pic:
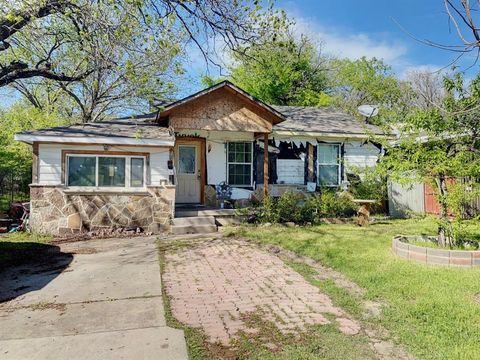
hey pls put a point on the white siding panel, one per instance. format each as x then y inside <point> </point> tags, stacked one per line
<point>290,171</point>
<point>216,162</point>
<point>50,161</point>
<point>403,199</point>
<point>358,155</point>
<point>159,166</point>
<point>49,164</point>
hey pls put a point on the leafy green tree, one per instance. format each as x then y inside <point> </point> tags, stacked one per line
<point>284,71</point>
<point>441,145</point>
<point>365,81</point>
<point>16,157</point>
<point>32,32</point>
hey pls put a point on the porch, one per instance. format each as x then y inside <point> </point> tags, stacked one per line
<point>195,218</point>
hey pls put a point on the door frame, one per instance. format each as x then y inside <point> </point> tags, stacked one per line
<point>189,140</point>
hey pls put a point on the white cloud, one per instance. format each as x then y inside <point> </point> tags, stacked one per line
<point>346,44</point>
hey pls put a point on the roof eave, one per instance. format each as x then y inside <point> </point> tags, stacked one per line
<point>324,134</point>
<point>30,139</point>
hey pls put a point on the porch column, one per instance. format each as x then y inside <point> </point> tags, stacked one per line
<point>35,163</point>
<point>265,165</point>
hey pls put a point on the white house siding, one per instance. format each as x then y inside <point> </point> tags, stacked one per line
<point>290,171</point>
<point>50,161</point>
<point>360,155</point>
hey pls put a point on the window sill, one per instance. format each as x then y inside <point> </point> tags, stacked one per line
<point>110,191</point>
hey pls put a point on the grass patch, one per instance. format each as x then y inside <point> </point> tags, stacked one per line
<point>340,297</point>
<point>432,310</point>
<point>21,247</point>
<point>317,342</point>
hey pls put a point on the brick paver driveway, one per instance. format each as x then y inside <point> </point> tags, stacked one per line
<point>212,283</point>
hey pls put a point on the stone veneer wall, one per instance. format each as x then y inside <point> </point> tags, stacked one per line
<point>57,212</point>
<point>433,256</point>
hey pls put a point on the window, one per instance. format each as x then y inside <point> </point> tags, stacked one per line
<point>81,171</point>
<point>186,159</point>
<point>239,163</point>
<point>105,171</point>
<point>111,171</point>
<point>137,172</point>
<point>328,160</point>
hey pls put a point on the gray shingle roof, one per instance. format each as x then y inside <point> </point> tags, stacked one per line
<point>322,120</point>
<point>120,128</point>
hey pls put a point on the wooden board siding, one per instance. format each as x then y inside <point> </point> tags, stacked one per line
<point>50,161</point>
<point>223,111</point>
<point>290,171</point>
<point>311,164</point>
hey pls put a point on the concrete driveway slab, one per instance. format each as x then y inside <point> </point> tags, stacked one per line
<point>149,343</point>
<point>105,303</point>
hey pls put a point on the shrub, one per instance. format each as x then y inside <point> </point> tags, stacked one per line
<point>302,208</point>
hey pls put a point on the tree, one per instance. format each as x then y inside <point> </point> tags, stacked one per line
<point>128,71</point>
<point>16,157</point>
<point>283,71</point>
<point>441,143</point>
<point>33,32</point>
<point>364,81</point>
<point>427,88</point>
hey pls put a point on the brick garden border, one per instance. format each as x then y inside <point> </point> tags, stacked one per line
<point>454,258</point>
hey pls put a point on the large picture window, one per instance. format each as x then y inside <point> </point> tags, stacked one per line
<point>105,171</point>
<point>328,160</point>
<point>239,163</point>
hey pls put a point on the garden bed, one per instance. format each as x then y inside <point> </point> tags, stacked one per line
<point>402,246</point>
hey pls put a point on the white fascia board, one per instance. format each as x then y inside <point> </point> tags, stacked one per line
<point>30,139</point>
<point>284,133</point>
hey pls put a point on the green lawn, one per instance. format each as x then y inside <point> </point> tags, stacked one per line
<point>433,311</point>
<point>18,248</point>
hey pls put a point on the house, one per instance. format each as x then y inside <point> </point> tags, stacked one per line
<point>135,171</point>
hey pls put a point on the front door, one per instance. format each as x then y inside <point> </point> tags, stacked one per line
<point>187,163</point>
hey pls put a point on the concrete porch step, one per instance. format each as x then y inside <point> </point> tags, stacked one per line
<point>193,229</point>
<point>194,225</point>
<point>194,220</point>
<point>181,213</point>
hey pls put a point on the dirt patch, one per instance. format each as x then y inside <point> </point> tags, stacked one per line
<point>44,305</point>
<point>84,251</point>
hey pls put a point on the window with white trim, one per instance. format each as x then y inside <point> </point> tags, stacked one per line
<point>239,163</point>
<point>329,166</point>
<point>105,171</point>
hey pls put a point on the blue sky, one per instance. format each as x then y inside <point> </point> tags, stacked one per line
<point>355,28</point>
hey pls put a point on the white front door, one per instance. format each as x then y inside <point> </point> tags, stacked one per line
<point>187,160</point>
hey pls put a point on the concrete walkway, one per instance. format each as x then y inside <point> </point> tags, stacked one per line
<point>104,303</point>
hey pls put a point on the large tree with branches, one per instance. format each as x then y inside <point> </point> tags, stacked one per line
<point>99,51</point>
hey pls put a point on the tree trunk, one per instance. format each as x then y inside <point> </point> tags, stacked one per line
<point>444,235</point>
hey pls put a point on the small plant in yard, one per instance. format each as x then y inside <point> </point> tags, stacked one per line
<point>302,208</point>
